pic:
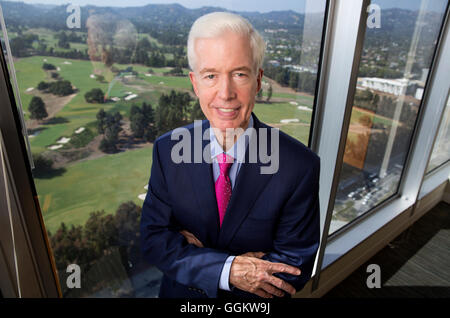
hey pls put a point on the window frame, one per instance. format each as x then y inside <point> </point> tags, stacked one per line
<point>332,141</point>
<point>441,173</point>
<point>34,251</point>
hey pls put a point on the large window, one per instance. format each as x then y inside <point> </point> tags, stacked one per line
<point>398,48</point>
<point>441,150</point>
<point>95,95</point>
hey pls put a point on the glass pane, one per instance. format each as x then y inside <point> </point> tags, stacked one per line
<point>441,150</point>
<point>399,44</point>
<point>95,96</point>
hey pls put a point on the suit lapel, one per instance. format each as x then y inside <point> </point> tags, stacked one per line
<point>249,184</point>
<point>202,179</point>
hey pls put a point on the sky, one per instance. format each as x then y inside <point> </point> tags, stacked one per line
<point>246,5</point>
<point>236,5</point>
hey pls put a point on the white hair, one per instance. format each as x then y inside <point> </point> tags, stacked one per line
<point>215,24</point>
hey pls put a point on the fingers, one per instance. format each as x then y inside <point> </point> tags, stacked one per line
<point>272,290</point>
<point>191,239</point>
<point>283,268</point>
<point>262,293</point>
<point>281,285</point>
<point>256,276</point>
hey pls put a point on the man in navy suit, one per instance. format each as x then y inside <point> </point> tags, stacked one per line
<point>240,217</point>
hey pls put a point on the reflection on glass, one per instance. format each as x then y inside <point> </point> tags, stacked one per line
<point>395,61</point>
<point>441,150</point>
<point>96,97</point>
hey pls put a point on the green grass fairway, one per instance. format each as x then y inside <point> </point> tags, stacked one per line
<point>275,112</point>
<point>77,112</point>
<point>169,81</point>
<point>300,99</point>
<point>106,182</point>
<point>299,132</point>
<point>101,184</point>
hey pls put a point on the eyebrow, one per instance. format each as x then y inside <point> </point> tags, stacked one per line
<point>212,70</point>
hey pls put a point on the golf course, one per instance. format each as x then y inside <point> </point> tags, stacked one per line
<point>103,181</point>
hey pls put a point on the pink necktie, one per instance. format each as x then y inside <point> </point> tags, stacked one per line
<point>223,184</point>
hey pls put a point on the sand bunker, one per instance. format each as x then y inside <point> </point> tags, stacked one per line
<point>116,99</point>
<point>67,62</point>
<point>293,103</point>
<point>146,187</point>
<point>304,108</point>
<point>287,121</point>
<point>63,140</point>
<point>29,89</point>
<point>55,147</point>
<point>92,76</point>
<point>79,130</point>
<point>130,96</point>
<point>142,196</point>
<point>148,74</point>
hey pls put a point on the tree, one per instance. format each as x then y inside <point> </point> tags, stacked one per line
<point>269,93</point>
<point>259,95</point>
<point>95,95</point>
<point>196,112</point>
<point>48,66</point>
<point>176,71</point>
<point>172,111</point>
<point>100,231</point>
<point>107,146</point>
<point>109,125</point>
<point>42,165</point>
<point>101,118</point>
<point>63,41</point>
<point>37,108</point>
<point>138,125</point>
<point>61,88</point>
<point>126,222</point>
<point>69,247</point>
<point>376,99</point>
<point>142,122</point>
<point>43,86</point>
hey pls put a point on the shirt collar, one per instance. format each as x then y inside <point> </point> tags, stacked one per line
<point>239,147</point>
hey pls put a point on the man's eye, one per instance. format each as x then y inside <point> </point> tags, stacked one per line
<point>241,75</point>
<point>210,76</point>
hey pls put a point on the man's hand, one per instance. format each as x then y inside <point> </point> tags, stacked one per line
<point>251,274</point>
<point>191,238</point>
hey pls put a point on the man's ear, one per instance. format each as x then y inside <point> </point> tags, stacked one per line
<point>194,82</point>
<point>259,77</point>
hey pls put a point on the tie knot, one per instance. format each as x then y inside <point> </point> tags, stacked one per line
<point>225,163</point>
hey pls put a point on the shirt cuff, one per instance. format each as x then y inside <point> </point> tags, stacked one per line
<point>225,275</point>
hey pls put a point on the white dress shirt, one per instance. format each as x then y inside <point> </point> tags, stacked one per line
<point>238,153</point>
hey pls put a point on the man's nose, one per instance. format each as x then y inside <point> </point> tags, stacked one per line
<point>226,88</point>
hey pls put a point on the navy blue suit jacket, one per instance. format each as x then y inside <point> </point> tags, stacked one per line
<point>273,213</point>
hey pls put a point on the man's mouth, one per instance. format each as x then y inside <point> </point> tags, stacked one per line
<point>228,112</point>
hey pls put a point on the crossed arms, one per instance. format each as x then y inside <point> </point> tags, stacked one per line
<point>181,256</point>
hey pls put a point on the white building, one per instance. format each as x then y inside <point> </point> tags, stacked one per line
<point>392,86</point>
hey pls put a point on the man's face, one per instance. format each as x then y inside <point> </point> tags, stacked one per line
<point>224,80</point>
